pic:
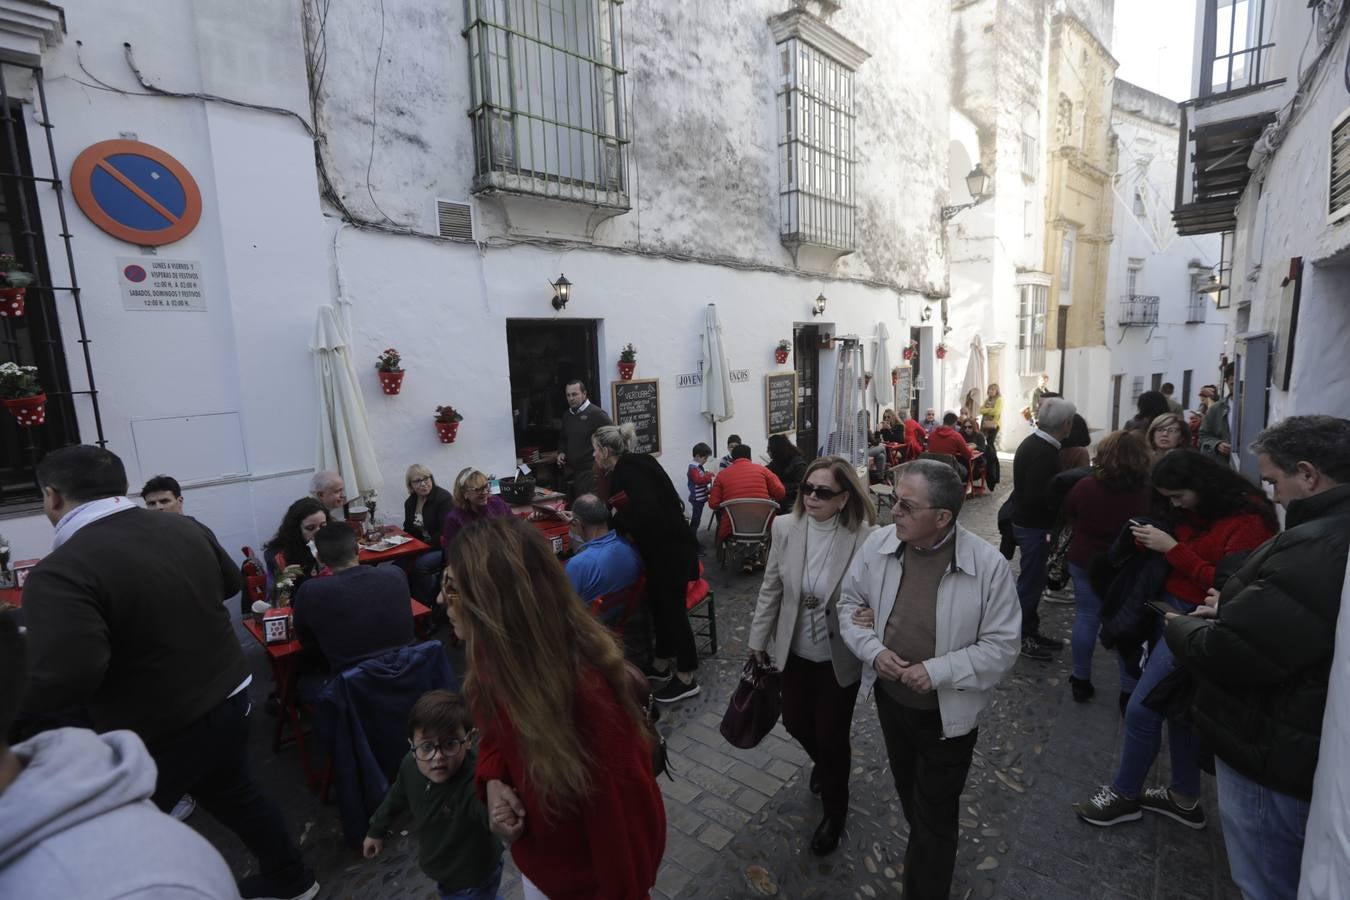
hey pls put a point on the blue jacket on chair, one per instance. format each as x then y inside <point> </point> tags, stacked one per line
<point>363,719</point>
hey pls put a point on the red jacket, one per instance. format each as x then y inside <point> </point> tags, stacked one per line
<point>611,847</point>
<point>946,439</point>
<point>915,437</point>
<point>743,480</point>
<point>1194,557</point>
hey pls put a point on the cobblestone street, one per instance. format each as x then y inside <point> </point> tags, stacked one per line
<point>740,821</point>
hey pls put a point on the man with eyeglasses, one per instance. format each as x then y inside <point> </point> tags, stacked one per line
<point>575,454</point>
<point>935,680</point>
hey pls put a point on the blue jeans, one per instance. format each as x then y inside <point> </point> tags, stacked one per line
<point>1143,728</point>
<point>1034,546</point>
<point>427,575</point>
<point>485,891</point>
<point>1263,831</point>
<point>1086,626</point>
<point>696,515</point>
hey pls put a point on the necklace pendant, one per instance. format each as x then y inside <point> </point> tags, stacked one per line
<point>812,601</point>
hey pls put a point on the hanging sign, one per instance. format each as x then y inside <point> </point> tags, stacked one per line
<point>151,283</point>
<point>136,192</point>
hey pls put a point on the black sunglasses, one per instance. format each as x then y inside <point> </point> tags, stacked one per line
<point>822,493</point>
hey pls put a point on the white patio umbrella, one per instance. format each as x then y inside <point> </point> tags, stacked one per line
<point>717,405</point>
<point>343,443</point>
<point>881,370</point>
<point>974,379</point>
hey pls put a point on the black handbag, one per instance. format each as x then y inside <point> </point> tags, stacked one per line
<point>755,705</point>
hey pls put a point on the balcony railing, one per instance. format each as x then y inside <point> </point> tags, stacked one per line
<point>1138,310</point>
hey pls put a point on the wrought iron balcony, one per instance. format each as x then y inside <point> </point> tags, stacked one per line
<point>1138,310</point>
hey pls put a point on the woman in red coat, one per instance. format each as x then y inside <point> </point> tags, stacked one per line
<point>565,767</point>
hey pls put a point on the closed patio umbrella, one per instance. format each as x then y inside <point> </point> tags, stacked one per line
<point>343,443</point>
<point>717,405</point>
<point>881,370</point>
<point>974,380</point>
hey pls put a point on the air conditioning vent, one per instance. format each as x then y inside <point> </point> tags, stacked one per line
<point>454,220</point>
<point>1338,199</point>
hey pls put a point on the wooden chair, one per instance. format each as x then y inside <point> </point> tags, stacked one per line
<point>750,521</point>
<point>701,603</point>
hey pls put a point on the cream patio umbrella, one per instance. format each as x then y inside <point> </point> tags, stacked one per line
<point>343,443</point>
<point>717,405</point>
<point>974,380</point>
<point>882,388</point>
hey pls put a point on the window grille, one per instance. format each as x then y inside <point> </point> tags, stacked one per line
<point>1030,159</point>
<point>1137,310</point>
<point>1197,308</point>
<point>1338,193</point>
<point>1136,388</point>
<point>1066,264</point>
<point>815,147</point>
<point>548,98</point>
<point>1034,300</point>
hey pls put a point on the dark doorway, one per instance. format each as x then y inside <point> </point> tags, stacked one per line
<point>915,374</point>
<point>1116,382</point>
<point>1156,381</point>
<point>1186,378</point>
<point>806,357</point>
<point>543,355</point>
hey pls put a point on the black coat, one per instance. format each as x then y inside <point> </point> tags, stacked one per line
<point>1126,577</point>
<point>1262,667</point>
<point>1035,465</point>
<point>650,513</point>
<point>437,505</point>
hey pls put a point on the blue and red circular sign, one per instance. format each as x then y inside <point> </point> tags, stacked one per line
<point>136,192</point>
<point>134,274</point>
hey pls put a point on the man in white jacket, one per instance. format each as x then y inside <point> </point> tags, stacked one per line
<point>944,628</point>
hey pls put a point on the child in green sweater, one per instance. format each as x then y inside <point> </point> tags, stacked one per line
<point>436,784</point>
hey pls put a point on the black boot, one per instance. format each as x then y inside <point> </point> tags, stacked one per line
<point>1082,689</point>
<point>826,838</point>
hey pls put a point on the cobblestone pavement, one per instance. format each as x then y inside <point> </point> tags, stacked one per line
<point>732,813</point>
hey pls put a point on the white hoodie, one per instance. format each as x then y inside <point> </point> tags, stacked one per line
<point>78,822</point>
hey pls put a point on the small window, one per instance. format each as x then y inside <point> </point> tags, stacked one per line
<point>1132,280</point>
<point>1066,265</point>
<point>1030,157</point>
<point>1139,209</point>
<point>1136,388</point>
<point>1033,300</point>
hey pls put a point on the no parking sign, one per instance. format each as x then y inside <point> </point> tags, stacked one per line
<point>136,192</point>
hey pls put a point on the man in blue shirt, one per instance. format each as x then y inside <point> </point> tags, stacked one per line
<point>607,564</point>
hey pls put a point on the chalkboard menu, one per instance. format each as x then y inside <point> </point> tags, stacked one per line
<point>780,402</point>
<point>639,402</point>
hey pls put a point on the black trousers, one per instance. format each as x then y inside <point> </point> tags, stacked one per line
<point>209,759</point>
<point>666,587</point>
<point>819,713</point>
<point>930,773</point>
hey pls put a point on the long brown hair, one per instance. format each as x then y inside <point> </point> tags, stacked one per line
<point>1123,461</point>
<point>528,637</point>
<point>859,509</point>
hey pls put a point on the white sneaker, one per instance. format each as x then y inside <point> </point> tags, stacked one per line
<point>185,807</point>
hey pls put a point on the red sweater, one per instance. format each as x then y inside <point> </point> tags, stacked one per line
<point>1197,552</point>
<point>743,480</point>
<point>610,848</point>
<point>946,439</point>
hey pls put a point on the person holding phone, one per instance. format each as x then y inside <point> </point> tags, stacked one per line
<point>1217,513</point>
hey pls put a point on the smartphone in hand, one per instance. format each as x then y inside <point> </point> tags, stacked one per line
<point>1160,607</point>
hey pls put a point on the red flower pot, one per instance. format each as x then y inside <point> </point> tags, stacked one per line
<point>908,352</point>
<point>28,410</point>
<point>11,302</point>
<point>448,431</point>
<point>626,370</point>
<point>780,356</point>
<point>391,382</point>
<point>941,352</point>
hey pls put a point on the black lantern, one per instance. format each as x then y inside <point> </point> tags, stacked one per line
<point>562,292</point>
<point>818,308</point>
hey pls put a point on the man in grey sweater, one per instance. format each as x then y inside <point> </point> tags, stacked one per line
<point>575,453</point>
<point>75,813</point>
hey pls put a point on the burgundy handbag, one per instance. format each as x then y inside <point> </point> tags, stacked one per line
<point>754,707</point>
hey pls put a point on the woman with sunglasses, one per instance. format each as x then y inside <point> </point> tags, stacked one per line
<point>797,616</point>
<point>564,763</point>
<point>471,500</point>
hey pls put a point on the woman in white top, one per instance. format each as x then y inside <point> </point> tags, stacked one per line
<point>797,623</point>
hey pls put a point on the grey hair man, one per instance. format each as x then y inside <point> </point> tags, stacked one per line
<point>329,489</point>
<point>1035,465</point>
<point>1261,651</point>
<point>935,680</point>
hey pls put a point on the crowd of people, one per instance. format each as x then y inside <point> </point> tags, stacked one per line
<point>132,695</point>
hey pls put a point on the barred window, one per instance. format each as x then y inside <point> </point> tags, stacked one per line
<point>548,98</point>
<point>815,147</point>
<point>1034,300</point>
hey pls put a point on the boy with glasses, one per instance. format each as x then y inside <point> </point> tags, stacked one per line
<point>435,784</point>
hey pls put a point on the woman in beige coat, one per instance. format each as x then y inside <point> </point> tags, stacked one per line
<point>797,624</point>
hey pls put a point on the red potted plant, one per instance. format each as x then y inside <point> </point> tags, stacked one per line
<point>780,354</point>
<point>22,395</point>
<point>16,282</point>
<point>447,423</point>
<point>910,349</point>
<point>941,351</point>
<point>627,362</point>
<point>391,375</point>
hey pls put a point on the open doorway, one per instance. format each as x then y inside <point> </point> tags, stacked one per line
<point>806,357</point>
<point>543,355</point>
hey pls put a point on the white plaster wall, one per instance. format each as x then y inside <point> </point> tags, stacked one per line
<point>268,249</point>
<point>1283,215</point>
<point>1148,160</point>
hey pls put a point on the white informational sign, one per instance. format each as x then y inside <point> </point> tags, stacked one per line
<point>151,283</point>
